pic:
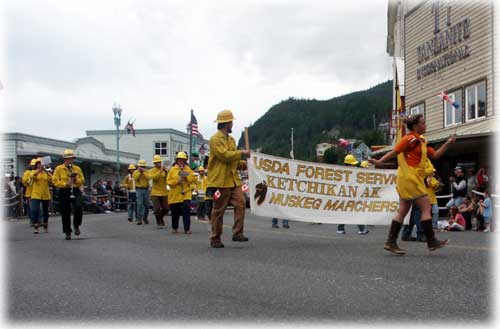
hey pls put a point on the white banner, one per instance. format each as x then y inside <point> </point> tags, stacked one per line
<point>321,193</point>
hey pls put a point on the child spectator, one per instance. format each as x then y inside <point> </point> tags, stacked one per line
<point>467,211</point>
<point>457,221</point>
<point>486,206</point>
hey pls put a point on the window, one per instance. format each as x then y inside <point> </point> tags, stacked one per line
<point>161,148</point>
<point>418,109</point>
<point>475,100</point>
<point>453,116</point>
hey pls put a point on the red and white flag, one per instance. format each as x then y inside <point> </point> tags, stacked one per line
<point>244,188</point>
<point>216,195</point>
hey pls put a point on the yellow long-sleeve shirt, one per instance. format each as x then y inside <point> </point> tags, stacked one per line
<point>27,181</point>
<point>224,162</point>
<point>159,180</point>
<point>141,179</point>
<point>41,189</point>
<point>183,190</point>
<point>62,175</point>
<point>129,183</point>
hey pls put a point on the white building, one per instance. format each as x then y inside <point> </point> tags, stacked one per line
<point>96,161</point>
<point>149,142</point>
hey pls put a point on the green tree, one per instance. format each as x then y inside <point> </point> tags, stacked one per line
<point>334,155</point>
<point>373,137</point>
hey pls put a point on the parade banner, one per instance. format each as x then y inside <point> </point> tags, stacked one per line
<point>321,193</point>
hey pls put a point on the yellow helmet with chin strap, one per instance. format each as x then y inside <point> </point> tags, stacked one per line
<point>350,160</point>
<point>142,163</point>
<point>364,164</point>
<point>132,167</point>
<point>156,158</point>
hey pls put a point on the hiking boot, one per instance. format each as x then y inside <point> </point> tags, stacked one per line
<point>393,247</point>
<point>408,238</point>
<point>363,232</point>
<point>391,244</point>
<point>240,238</point>
<point>436,244</point>
<point>432,242</point>
<point>286,226</point>
<point>67,237</point>
<point>275,226</point>
<point>35,229</point>
<point>216,244</point>
<point>139,222</point>
<point>340,231</point>
<point>146,221</point>
<point>77,230</point>
<point>129,219</point>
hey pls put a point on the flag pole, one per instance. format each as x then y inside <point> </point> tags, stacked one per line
<point>190,138</point>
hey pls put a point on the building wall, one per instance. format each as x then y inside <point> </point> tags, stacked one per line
<point>419,28</point>
<point>144,143</point>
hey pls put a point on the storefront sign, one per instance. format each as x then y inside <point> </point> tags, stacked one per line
<point>445,48</point>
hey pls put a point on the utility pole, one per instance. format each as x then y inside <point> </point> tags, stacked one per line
<point>117,112</point>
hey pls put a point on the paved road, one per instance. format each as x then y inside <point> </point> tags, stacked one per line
<point>120,271</point>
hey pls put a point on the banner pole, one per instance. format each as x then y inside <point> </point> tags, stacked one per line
<point>247,141</point>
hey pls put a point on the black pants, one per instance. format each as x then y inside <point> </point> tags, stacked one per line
<point>183,208</point>
<point>66,203</point>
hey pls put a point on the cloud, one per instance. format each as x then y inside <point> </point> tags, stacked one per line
<point>68,64</point>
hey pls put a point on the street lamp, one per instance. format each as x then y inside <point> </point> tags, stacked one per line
<point>117,112</point>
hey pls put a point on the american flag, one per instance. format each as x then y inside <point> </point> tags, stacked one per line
<point>447,98</point>
<point>193,125</point>
<point>130,128</point>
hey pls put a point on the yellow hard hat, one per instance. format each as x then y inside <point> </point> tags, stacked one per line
<point>224,116</point>
<point>350,159</point>
<point>142,163</point>
<point>201,168</point>
<point>156,159</point>
<point>33,162</point>
<point>68,154</point>
<point>132,167</point>
<point>181,155</point>
<point>364,164</point>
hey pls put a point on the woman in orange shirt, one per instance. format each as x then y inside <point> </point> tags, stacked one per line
<point>412,152</point>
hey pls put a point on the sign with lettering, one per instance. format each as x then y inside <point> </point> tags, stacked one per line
<point>321,193</point>
<point>446,47</point>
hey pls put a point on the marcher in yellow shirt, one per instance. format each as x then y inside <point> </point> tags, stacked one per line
<point>412,152</point>
<point>141,178</point>
<point>159,193</point>
<point>180,179</point>
<point>27,181</point>
<point>201,187</point>
<point>68,178</point>
<point>129,184</point>
<point>40,196</point>
<point>224,183</point>
<point>433,185</point>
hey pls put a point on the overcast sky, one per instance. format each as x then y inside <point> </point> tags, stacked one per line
<point>66,64</point>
